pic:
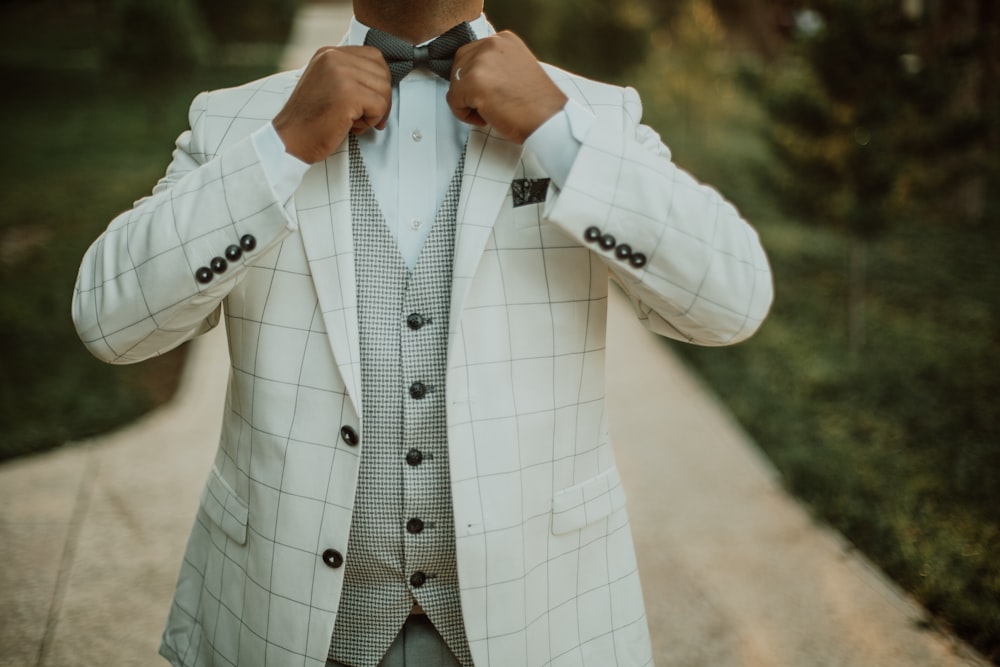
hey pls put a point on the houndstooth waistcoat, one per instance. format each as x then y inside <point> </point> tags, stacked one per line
<point>401,548</point>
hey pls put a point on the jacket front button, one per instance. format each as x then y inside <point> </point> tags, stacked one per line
<point>203,275</point>
<point>333,558</point>
<point>350,436</point>
<point>418,390</point>
<point>418,579</point>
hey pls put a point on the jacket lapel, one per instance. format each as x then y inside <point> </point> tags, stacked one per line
<point>490,164</point>
<point>323,206</point>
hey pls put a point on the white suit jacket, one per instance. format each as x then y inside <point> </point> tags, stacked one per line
<point>545,558</point>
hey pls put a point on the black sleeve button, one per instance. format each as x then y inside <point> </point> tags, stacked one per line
<point>248,242</point>
<point>219,265</point>
<point>608,242</point>
<point>638,260</point>
<point>591,234</point>
<point>333,558</point>
<point>418,579</point>
<point>234,252</point>
<point>350,436</point>
<point>623,252</point>
<point>203,275</point>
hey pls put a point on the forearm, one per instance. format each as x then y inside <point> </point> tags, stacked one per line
<point>154,278</point>
<point>694,269</point>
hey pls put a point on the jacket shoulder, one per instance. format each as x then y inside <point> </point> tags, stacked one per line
<point>588,92</point>
<point>222,116</point>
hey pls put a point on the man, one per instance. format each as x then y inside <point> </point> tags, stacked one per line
<point>412,256</point>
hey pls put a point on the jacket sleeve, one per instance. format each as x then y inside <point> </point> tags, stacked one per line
<point>695,270</point>
<point>138,292</point>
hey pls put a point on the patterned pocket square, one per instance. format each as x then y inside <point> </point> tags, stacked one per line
<point>529,190</point>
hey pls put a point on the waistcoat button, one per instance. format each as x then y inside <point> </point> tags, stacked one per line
<point>350,436</point>
<point>414,457</point>
<point>415,321</point>
<point>414,526</point>
<point>333,558</point>
<point>418,579</point>
<point>418,390</point>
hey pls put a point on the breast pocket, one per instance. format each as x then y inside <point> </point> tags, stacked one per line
<point>587,502</point>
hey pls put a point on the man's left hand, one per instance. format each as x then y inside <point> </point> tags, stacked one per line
<point>497,81</point>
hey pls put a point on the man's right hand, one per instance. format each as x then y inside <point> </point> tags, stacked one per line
<point>343,89</point>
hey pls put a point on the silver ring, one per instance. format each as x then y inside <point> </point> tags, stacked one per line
<point>458,74</point>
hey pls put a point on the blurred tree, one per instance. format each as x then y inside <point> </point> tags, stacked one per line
<point>876,118</point>
<point>592,37</point>
<point>154,42</point>
<point>243,21</point>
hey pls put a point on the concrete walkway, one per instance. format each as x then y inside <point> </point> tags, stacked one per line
<point>736,573</point>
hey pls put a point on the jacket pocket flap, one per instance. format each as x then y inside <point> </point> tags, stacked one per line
<point>225,507</point>
<point>583,504</point>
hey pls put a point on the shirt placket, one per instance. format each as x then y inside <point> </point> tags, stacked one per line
<point>417,178</point>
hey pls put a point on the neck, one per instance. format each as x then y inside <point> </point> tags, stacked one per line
<point>416,21</point>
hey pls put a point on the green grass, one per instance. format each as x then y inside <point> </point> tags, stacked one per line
<point>79,147</point>
<point>897,445</point>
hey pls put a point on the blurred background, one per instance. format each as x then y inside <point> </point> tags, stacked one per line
<point>859,136</point>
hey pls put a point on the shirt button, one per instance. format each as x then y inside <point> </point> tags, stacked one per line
<point>418,390</point>
<point>414,457</point>
<point>417,136</point>
<point>418,579</point>
<point>416,224</point>
<point>415,526</point>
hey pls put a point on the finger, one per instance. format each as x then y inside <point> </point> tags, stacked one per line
<point>373,109</point>
<point>320,51</point>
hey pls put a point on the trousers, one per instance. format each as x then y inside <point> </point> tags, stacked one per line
<point>418,644</point>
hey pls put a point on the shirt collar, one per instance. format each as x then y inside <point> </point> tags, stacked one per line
<point>358,31</point>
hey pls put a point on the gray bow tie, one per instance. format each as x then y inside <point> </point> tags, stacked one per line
<point>437,56</point>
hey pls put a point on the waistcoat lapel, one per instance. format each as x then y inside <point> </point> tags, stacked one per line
<point>323,205</point>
